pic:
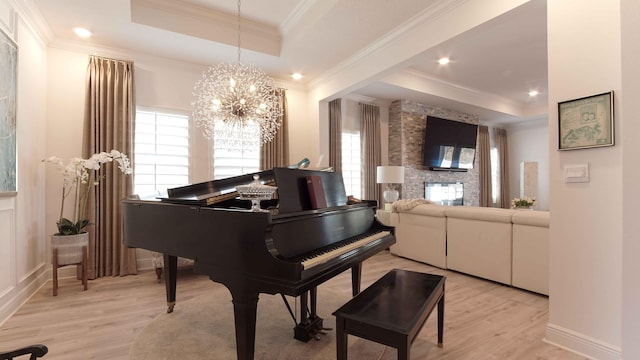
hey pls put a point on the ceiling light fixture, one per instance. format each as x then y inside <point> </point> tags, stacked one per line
<point>443,61</point>
<point>237,104</point>
<point>82,32</point>
<point>296,76</point>
<point>533,93</point>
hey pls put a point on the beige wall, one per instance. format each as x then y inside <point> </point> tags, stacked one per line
<point>630,18</point>
<point>22,236</point>
<point>529,141</point>
<point>586,230</point>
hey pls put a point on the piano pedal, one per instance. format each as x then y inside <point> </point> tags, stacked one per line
<point>308,330</point>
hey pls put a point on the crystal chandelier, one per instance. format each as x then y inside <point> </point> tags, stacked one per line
<point>237,103</point>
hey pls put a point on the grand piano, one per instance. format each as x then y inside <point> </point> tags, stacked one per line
<point>289,249</point>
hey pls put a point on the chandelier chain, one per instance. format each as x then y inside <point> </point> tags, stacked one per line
<point>239,30</point>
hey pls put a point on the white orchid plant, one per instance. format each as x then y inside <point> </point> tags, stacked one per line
<point>523,202</point>
<point>79,177</point>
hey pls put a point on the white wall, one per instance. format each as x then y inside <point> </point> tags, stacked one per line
<point>22,236</point>
<point>630,18</point>
<point>586,218</point>
<point>529,141</point>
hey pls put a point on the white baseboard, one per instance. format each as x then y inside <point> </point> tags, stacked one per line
<point>581,344</point>
<point>145,264</point>
<point>13,299</point>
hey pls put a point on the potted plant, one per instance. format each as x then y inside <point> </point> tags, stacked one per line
<point>70,243</point>
<point>523,203</point>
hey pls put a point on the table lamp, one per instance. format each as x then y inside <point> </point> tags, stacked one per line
<point>390,175</point>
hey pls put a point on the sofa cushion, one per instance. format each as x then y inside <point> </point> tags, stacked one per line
<point>480,213</point>
<point>428,210</point>
<point>421,234</point>
<point>531,217</point>
<point>480,247</point>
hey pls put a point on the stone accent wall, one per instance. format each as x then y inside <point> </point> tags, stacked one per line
<point>407,123</point>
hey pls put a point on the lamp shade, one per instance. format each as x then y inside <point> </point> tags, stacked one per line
<point>390,175</point>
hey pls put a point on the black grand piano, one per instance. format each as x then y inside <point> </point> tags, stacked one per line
<point>290,250</point>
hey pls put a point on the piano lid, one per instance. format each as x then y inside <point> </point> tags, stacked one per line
<point>214,191</point>
<point>293,195</point>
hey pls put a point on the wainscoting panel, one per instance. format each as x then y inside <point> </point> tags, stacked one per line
<point>7,247</point>
<point>7,18</point>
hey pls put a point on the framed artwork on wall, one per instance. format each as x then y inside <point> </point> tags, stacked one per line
<point>8,85</point>
<point>586,122</point>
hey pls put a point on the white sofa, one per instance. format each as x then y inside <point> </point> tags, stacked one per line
<point>530,266</point>
<point>503,245</point>
<point>479,242</point>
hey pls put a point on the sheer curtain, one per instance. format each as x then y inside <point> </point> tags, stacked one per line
<point>276,152</point>
<point>370,145</point>
<point>335,134</point>
<point>503,169</point>
<point>484,159</point>
<point>108,124</point>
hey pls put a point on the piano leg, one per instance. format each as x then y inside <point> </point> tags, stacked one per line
<point>314,302</point>
<point>356,272</point>
<point>244,310</point>
<point>171,274</point>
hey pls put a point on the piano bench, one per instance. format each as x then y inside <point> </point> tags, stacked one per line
<point>391,311</point>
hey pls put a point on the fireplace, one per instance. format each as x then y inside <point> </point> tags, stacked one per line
<point>444,192</point>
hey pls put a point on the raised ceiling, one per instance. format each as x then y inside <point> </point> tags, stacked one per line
<point>500,60</point>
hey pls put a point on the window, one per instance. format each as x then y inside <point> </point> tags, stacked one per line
<point>161,152</point>
<point>494,175</point>
<point>233,158</point>
<point>352,163</point>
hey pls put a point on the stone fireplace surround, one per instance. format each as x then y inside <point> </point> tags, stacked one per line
<point>407,123</point>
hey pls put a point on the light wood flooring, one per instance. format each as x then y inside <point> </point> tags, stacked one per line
<point>483,320</point>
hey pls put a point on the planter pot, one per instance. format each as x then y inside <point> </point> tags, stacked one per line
<point>523,207</point>
<point>69,250</point>
<point>70,247</point>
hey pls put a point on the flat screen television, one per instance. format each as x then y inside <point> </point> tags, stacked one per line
<point>449,145</point>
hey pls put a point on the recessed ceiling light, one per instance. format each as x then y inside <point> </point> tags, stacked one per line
<point>533,93</point>
<point>443,61</point>
<point>82,32</point>
<point>296,76</point>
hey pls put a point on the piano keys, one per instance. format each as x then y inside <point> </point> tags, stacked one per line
<point>289,250</point>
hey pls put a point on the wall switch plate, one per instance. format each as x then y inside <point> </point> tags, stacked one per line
<point>576,173</point>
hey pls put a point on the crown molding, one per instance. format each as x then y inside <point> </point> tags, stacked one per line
<point>33,20</point>
<point>427,15</point>
<point>296,15</point>
<point>205,23</point>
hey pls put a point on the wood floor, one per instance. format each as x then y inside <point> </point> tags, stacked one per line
<point>483,320</point>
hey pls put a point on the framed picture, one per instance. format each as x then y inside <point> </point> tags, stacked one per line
<point>586,122</point>
<point>8,84</point>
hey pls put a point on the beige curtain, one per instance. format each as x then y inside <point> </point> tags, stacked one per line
<point>484,160</point>
<point>502,200</point>
<point>335,134</point>
<point>370,146</point>
<point>108,124</point>
<point>276,152</point>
